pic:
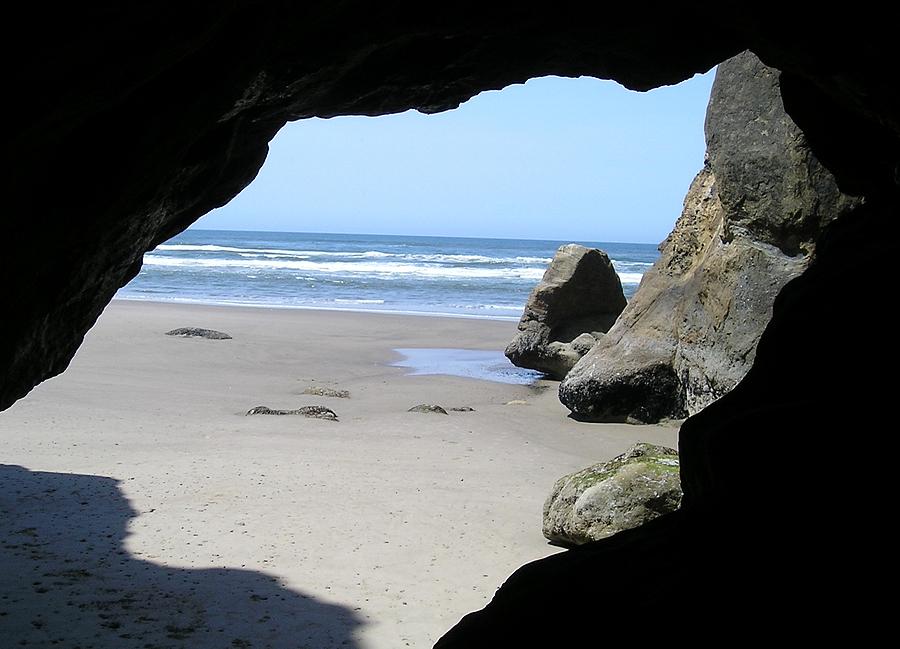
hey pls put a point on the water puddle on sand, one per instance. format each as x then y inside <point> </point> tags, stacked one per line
<point>469,363</point>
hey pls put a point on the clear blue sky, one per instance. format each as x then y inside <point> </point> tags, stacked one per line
<point>553,158</point>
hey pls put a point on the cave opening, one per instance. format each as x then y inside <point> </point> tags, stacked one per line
<point>130,123</point>
<point>549,162</point>
<point>220,491</point>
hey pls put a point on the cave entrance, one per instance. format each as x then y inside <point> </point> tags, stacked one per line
<point>395,523</point>
<point>524,170</point>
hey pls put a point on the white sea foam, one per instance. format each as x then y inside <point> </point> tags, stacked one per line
<point>474,259</point>
<point>270,252</point>
<point>276,253</point>
<point>461,259</point>
<point>501,307</point>
<point>533,260</point>
<point>618,262</point>
<point>630,278</point>
<point>490,307</point>
<point>345,301</point>
<point>381,269</point>
<point>184,247</point>
<point>121,295</point>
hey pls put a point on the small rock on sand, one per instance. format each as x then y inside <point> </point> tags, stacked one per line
<point>197,332</point>
<point>462,409</point>
<point>428,407</point>
<point>317,412</point>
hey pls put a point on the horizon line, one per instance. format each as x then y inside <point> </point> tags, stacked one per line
<point>434,236</point>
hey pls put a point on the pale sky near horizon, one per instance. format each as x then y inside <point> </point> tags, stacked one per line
<point>562,159</point>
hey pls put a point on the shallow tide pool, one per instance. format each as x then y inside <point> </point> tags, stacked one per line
<point>470,363</point>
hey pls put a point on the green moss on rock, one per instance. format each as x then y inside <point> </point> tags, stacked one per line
<point>624,492</point>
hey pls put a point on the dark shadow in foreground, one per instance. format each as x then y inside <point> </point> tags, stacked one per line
<point>66,580</point>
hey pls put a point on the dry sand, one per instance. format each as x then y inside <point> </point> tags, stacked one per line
<point>141,508</point>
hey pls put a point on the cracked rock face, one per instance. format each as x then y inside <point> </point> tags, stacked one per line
<point>575,303</point>
<point>750,221</point>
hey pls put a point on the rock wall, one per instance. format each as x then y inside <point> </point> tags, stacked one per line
<point>126,122</point>
<point>750,221</point>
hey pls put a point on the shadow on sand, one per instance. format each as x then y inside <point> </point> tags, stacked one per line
<point>66,580</point>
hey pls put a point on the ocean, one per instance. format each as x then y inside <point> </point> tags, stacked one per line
<point>483,278</point>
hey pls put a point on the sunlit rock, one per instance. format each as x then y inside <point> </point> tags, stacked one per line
<point>625,492</point>
<point>575,303</point>
<point>749,225</point>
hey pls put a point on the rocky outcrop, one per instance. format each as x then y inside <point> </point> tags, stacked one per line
<point>197,332</point>
<point>575,303</point>
<point>626,492</point>
<point>749,225</point>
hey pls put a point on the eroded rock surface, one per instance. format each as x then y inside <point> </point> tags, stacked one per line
<point>749,225</point>
<point>197,332</point>
<point>575,303</point>
<point>625,492</point>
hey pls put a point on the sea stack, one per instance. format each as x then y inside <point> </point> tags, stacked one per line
<point>749,225</point>
<point>575,303</point>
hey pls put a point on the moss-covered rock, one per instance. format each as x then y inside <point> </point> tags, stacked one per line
<point>625,492</point>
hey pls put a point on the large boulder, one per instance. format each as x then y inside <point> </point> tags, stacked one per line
<point>749,225</point>
<point>575,303</point>
<point>625,492</point>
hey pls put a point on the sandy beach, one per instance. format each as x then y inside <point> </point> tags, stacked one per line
<point>142,508</point>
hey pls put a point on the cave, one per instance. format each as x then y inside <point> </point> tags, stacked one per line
<point>779,534</point>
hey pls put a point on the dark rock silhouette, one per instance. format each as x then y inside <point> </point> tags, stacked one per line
<point>67,580</point>
<point>120,138</point>
<point>750,222</point>
<point>577,300</point>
